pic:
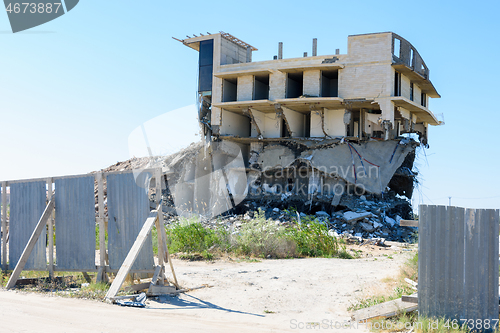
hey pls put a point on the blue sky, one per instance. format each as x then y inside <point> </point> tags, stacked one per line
<point>74,89</point>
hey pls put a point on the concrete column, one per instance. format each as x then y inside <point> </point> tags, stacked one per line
<point>245,88</point>
<point>277,85</point>
<point>249,54</point>
<point>312,82</point>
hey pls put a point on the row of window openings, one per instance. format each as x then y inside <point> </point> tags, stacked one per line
<point>397,90</point>
<point>397,52</point>
<point>294,86</point>
<point>352,129</point>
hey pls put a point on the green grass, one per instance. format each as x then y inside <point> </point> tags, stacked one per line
<point>256,238</point>
<point>191,236</point>
<point>97,239</point>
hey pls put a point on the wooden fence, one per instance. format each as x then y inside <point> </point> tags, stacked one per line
<point>458,265</point>
<point>76,215</point>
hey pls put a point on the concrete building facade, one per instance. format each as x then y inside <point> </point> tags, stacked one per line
<point>319,123</point>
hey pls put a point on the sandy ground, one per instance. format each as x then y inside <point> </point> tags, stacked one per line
<point>265,296</point>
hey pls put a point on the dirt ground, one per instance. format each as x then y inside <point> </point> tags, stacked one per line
<point>245,296</point>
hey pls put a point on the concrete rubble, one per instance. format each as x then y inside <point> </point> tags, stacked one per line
<point>367,216</point>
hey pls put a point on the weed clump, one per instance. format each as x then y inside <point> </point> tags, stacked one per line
<point>258,237</point>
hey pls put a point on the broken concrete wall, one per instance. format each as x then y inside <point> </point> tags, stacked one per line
<point>368,166</point>
<point>209,180</point>
<point>268,124</point>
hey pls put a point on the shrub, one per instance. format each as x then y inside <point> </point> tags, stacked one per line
<point>190,236</point>
<point>263,238</point>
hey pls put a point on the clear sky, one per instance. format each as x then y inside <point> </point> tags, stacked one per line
<point>73,90</point>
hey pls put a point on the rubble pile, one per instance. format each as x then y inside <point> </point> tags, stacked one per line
<point>356,216</point>
<point>368,216</point>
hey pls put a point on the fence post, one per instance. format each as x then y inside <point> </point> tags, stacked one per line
<point>50,225</point>
<point>4,225</point>
<point>159,225</point>
<point>102,229</point>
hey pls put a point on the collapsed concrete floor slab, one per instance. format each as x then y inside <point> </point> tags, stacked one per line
<point>216,178</point>
<point>215,183</point>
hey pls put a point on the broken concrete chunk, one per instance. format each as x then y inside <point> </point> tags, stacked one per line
<point>322,213</point>
<point>352,216</point>
<point>390,221</point>
<point>366,226</point>
<point>333,233</point>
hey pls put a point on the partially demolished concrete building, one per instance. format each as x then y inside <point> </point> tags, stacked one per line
<point>315,126</point>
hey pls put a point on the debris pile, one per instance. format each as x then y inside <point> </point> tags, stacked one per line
<point>356,216</point>
<point>368,216</point>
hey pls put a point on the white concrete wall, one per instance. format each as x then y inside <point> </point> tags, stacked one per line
<point>273,126</point>
<point>316,130</point>
<point>334,123</point>
<point>234,124</point>
<point>295,121</point>
<point>368,72</point>
<point>366,81</point>
<point>269,124</point>
<point>259,119</point>
<point>370,47</point>
<point>405,86</point>
<point>417,94</point>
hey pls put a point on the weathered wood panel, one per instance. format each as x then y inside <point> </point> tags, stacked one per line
<point>128,208</point>
<point>458,263</point>
<point>75,223</point>
<point>27,203</point>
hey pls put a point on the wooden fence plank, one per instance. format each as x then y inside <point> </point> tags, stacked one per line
<point>384,310</point>
<point>155,277</point>
<point>132,255</point>
<point>408,223</point>
<point>410,298</point>
<point>31,244</point>
<point>167,254</point>
<point>159,221</point>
